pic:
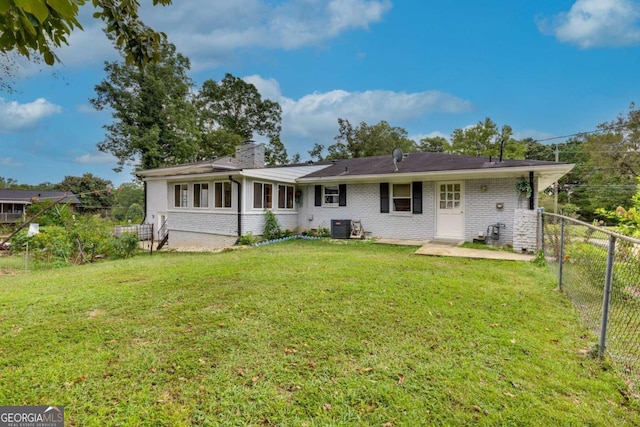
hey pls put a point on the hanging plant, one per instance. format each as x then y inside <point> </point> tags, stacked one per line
<point>523,187</point>
<point>298,196</point>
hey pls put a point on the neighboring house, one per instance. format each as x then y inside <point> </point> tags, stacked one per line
<point>429,196</point>
<point>14,202</point>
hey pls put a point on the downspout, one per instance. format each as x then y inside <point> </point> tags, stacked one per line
<point>533,191</point>
<point>239,205</point>
<point>145,202</point>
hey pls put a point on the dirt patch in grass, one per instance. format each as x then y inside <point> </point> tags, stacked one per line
<point>96,312</point>
<point>8,271</point>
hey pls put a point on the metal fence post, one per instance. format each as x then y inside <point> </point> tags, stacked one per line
<point>561,254</point>
<point>608,280</point>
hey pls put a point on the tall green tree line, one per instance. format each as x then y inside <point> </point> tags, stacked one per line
<point>161,119</point>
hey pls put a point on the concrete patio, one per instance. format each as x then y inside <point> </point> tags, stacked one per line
<point>452,249</point>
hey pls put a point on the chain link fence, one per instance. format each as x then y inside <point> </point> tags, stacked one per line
<point>599,270</point>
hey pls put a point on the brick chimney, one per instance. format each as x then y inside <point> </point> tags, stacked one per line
<point>250,155</point>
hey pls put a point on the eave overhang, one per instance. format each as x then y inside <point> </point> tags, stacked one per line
<point>547,174</point>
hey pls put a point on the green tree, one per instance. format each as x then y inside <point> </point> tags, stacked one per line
<point>154,117</point>
<point>275,152</point>
<point>232,111</point>
<point>125,196</point>
<point>135,213</point>
<point>39,26</point>
<point>434,144</point>
<point>535,150</point>
<point>484,139</point>
<point>365,140</point>
<point>316,152</point>
<point>218,142</point>
<point>92,191</point>
<point>628,219</point>
<point>7,182</point>
<point>614,160</point>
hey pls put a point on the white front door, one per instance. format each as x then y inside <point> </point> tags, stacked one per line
<point>450,210</point>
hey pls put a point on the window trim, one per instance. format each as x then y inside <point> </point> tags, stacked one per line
<point>415,195</point>
<point>289,192</point>
<point>199,198</point>
<point>336,196</point>
<point>222,185</point>
<point>180,195</point>
<point>409,197</point>
<point>263,195</point>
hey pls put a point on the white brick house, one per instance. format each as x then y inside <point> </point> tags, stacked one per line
<point>430,196</point>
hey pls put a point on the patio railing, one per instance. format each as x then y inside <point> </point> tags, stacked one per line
<point>599,270</point>
<point>10,218</point>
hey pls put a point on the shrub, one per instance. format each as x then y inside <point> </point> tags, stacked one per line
<point>124,246</point>
<point>53,243</point>
<point>247,239</point>
<point>324,232</point>
<point>81,240</point>
<point>272,228</point>
<point>59,214</point>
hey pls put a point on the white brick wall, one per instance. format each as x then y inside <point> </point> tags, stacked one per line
<point>525,226</point>
<point>191,240</point>
<point>363,203</point>
<point>156,203</point>
<point>481,210</point>
<point>223,223</point>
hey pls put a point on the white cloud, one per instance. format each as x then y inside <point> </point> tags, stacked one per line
<point>89,47</point>
<point>213,34</point>
<point>95,158</point>
<point>210,33</point>
<point>268,88</point>
<point>8,162</point>
<point>596,23</point>
<point>417,137</point>
<point>16,116</point>
<point>314,117</point>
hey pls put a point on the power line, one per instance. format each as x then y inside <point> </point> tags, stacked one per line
<point>617,127</point>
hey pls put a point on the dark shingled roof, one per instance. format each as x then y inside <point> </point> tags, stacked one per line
<point>26,196</point>
<point>417,162</point>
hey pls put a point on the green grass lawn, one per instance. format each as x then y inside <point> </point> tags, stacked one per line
<point>303,333</point>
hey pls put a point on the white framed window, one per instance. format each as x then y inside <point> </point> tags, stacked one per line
<point>331,194</point>
<point>401,197</point>
<point>181,195</point>
<point>222,194</point>
<point>285,196</point>
<point>262,195</point>
<point>201,195</point>
<point>450,196</point>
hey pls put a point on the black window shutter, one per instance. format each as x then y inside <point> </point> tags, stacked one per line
<point>417,197</point>
<point>384,197</point>
<point>318,195</point>
<point>342,195</point>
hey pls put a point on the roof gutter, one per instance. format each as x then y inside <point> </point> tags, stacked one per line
<point>500,172</point>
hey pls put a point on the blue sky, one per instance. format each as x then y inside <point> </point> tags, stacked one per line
<point>546,67</point>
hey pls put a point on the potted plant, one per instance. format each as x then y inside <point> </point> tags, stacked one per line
<point>523,187</point>
<point>298,197</point>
